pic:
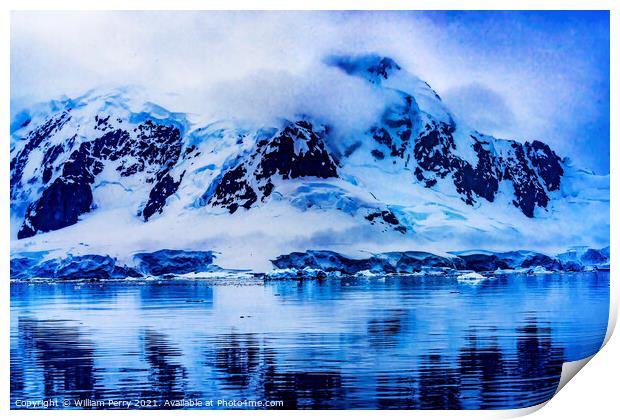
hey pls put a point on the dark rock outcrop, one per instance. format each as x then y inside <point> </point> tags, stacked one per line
<point>296,151</point>
<point>164,188</point>
<point>533,169</point>
<point>371,67</point>
<point>33,141</point>
<point>149,147</point>
<point>386,217</point>
<point>426,144</point>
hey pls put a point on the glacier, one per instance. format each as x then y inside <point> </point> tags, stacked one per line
<point>33,265</point>
<point>102,181</point>
<point>312,264</point>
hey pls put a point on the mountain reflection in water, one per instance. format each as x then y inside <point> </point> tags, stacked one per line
<point>411,342</point>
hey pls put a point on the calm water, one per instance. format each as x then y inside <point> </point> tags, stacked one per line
<point>413,342</point>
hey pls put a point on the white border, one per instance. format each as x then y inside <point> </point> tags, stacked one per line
<point>7,6</point>
<point>315,5</point>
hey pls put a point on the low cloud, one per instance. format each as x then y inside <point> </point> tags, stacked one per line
<point>482,108</point>
<point>538,74</point>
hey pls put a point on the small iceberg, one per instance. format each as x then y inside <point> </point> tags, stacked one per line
<point>538,270</point>
<point>472,278</point>
<point>219,274</point>
<point>368,273</point>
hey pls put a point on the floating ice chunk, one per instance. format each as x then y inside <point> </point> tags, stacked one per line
<point>472,278</point>
<point>538,270</point>
<point>368,273</point>
<point>219,274</point>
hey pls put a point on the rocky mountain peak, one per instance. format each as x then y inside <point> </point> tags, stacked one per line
<point>372,67</point>
<point>76,157</point>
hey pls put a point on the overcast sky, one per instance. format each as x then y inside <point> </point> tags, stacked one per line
<point>522,75</point>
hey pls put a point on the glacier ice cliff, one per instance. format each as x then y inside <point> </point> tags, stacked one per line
<point>312,264</point>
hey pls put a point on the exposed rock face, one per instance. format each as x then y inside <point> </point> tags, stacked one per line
<point>371,67</point>
<point>150,148</point>
<point>164,188</point>
<point>234,190</point>
<point>427,145</point>
<point>396,129</point>
<point>34,140</point>
<point>296,151</point>
<point>60,205</point>
<point>546,162</point>
<point>533,169</point>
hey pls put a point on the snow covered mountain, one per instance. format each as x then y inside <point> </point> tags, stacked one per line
<point>112,174</point>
